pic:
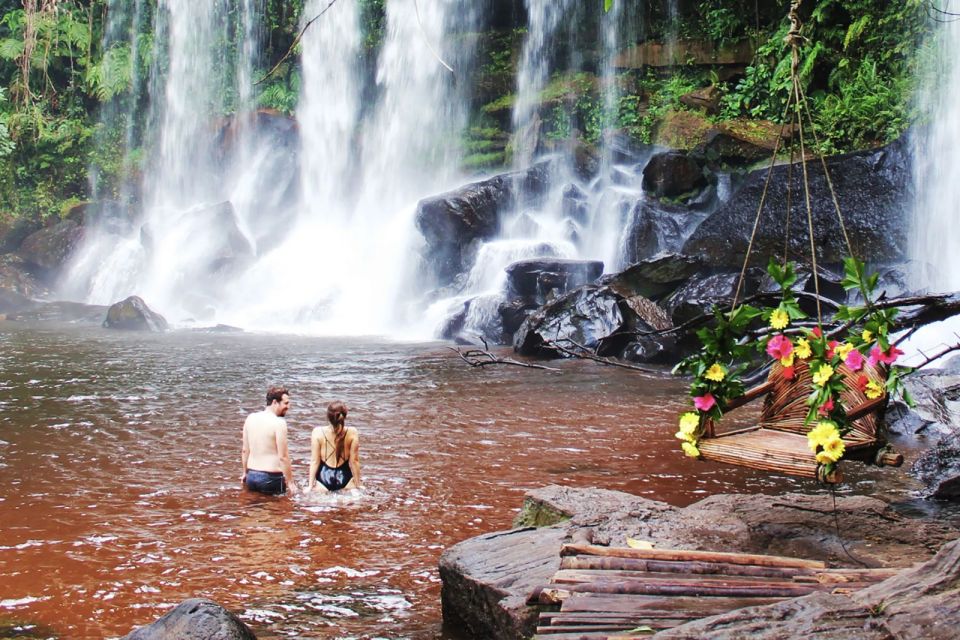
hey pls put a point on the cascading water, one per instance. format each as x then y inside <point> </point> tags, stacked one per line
<point>576,218</point>
<point>934,248</point>
<point>251,244</point>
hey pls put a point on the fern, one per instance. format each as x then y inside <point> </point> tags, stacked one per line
<point>856,29</point>
<point>11,48</point>
<point>112,75</point>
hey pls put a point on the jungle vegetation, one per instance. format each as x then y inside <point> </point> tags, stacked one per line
<point>57,78</point>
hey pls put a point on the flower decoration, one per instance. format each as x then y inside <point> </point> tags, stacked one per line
<point>831,359</point>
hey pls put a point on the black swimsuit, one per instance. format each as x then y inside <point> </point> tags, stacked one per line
<point>334,478</point>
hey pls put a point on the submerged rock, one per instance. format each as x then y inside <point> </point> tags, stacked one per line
<point>133,314</point>
<point>486,579</point>
<point>195,619</point>
<point>60,311</point>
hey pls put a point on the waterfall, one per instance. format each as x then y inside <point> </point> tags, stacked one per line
<point>937,172</point>
<point>238,228</point>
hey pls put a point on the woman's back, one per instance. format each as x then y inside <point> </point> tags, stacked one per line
<point>327,437</point>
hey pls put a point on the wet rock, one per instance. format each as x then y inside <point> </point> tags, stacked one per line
<point>538,278</point>
<point>45,251</point>
<point>921,602</point>
<point>872,188</point>
<point>701,292</point>
<point>586,161</point>
<point>60,311</point>
<point>828,284</point>
<point>939,469</point>
<point>133,314</point>
<point>513,313</point>
<point>452,223</point>
<point>653,277</point>
<point>11,302</point>
<point>486,579</point>
<point>574,204</point>
<point>107,216</point>
<point>673,174</point>
<point>657,228</point>
<point>195,619</point>
<point>593,317</point>
<point>231,248</point>
<point>936,393</point>
<point>740,143</point>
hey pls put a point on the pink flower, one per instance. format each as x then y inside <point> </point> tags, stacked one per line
<point>704,402</point>
<point>826,407</point>
<point>875,356</point>
<point>854,360</point>
<point>817,332</point>
<point>779,347</point>
<point>891,355</point>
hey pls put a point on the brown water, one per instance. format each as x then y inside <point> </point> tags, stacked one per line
<point>120,466</point>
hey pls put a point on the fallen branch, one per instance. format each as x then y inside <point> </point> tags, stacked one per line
<point>482,358</point>
<point>586,354</point>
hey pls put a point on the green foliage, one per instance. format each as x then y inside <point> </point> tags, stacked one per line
<point>281,93</point>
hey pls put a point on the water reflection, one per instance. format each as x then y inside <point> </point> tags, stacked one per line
<point>120,468</point>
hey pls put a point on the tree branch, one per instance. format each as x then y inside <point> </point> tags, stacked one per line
<point>482,357</point>
<point>586,354</point>
<point>293,45</point>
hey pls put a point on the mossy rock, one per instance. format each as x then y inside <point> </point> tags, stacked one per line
<point>13,628</point>
<point>684,130</point>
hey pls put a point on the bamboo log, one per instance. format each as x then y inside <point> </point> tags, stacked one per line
<point>655,606</point>
<point>689,589</point>
<point>577,576</point>
<point>689,554</point>
<point>596,628</point>
<point>678,566</point>
<point>638,617</point>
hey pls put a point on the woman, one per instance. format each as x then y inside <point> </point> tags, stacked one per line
<point>335,453</point>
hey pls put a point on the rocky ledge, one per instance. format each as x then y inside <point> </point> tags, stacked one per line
<point>486,579</point>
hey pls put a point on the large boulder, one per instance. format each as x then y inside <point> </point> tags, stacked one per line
<point>47,250</point>
<point>195,619</point>
<point>133,314</point>
<point>540,278</point>
<point>16,277</point>
<point>655,228</point>
<point>592,317</point>
<point>873,190</point>
<point>673,174</point>
<point>453,223</point>
<point>701,292</point>
<point>739,143</point>
<point>13,231</point>
<point>654,276</point>
<point>486,579</point>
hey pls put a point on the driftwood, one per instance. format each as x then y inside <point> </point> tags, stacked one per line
<point>483,357</point>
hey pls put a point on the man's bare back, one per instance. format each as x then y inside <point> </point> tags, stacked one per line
<point>265,456</point>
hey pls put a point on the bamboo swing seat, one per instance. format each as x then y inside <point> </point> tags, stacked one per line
<point>779,441</point>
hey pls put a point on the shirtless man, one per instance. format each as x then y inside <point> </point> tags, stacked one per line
<point>266,460</point>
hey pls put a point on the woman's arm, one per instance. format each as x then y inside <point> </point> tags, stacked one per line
<point>314,458</point>
<point>244,454</point>
<point>355,460</point>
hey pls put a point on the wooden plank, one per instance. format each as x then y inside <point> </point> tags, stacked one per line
<point>577,576</point>
<point>571,617</point>
<point>643,587</point>
<point>690,554</point>
<point>656,606</point>
<point>678,566</point>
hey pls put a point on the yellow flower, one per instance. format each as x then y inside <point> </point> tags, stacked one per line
<point>779,319</point>
<point>690,450</point>
<point>822,376</point>
<point>686,437</point>
<point>802,349</point>
<point>716,373</point>
<point>833,449</point>
<point>788,361</point>
<point>824,458</point>
<point>689,422</point>
<point>873,390</point>
<point>867,335</point>
<point>843,349</point>
<point>824,432</point>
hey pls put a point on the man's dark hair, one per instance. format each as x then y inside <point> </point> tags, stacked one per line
<point>275,393</point>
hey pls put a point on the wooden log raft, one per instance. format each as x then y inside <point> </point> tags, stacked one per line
<point>603,592</point>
